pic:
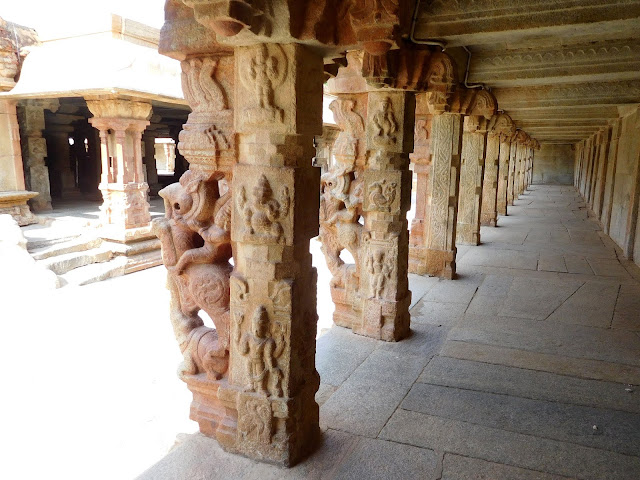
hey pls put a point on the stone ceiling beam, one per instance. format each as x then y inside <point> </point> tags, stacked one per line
<point>569,95</point>
<point>473,22</point>
<point>591,62</point>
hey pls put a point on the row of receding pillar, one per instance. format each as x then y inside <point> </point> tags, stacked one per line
<point>251,192</point>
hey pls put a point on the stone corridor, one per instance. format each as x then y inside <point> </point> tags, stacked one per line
<point>526,367</point>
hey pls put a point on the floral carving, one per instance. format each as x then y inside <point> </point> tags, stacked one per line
<point>196,248</point>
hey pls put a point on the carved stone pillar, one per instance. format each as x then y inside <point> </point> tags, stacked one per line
<point>522,141</point>
<point>504,125</point>
<point>387,198</point>
<point>125,209</point>
<point>272,377</point>
<point>474,141</point>
<point>421,158</point>
<point>372,295</point>
<point>446,147</point>
<point>511,181</point>
<point>488,210</point>
<point>150,162</point>
<point>34,150</point>
<point>493,189</point>
<point>607,201</point>
<point>13,196</point>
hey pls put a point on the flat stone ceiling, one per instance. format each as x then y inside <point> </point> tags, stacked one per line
<point>561,68</point>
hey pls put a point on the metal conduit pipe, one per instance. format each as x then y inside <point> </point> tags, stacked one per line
<point>423,41</point>
<point>466,73</point>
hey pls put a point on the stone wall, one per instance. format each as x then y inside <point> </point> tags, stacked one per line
<point>608,166</point>
<point>553,165</point>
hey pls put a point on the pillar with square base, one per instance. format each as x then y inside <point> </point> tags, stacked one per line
<point>494,199</point>
<point>124,214</point>
<point>472,168</point>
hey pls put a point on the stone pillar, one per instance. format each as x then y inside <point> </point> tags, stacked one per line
<point>474,143</point>
<point>59,155</point>
<point>506,134</point>
<point>125,210</point>
<point>601,172</point>
<point>489,212</point>
<point>34,150</point>
<point>421,158</point>
<point>372,295</point>
<point>607,201</point>
<point>513,148</point>
<point>522,141</point>
<point>495,167</point>
<point>387,198</point>
<point>446,147</point>
<point>272,378</point>
<point>150,163</point>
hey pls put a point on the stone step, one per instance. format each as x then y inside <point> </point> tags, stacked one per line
<point>61,264</point>
<point>94,272</point>
<point>77,244</point>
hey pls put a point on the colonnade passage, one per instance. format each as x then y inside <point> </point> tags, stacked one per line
<point>489,358</point>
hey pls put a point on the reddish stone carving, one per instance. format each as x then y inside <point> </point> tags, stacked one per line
<point>196,248</point>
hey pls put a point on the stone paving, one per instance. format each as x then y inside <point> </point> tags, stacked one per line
<point>526,367</point>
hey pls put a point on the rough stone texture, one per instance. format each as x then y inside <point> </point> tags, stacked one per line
<point>553,165</point>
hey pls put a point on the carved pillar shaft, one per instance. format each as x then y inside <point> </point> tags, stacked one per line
<point>272,376</point>
<point>522,161</point>
<point>150,162</point>
<point>421,158</point>
<point>489,211</point>
<point>503,175</point>
<point>124,192</point>
<point>471,172</point>
<point>446,146</point>
<point>607,201</point>
<point>513,147</point>
<point>387,198</point>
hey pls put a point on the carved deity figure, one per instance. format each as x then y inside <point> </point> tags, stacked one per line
<point>385,123</point>
<point>262,352</point>
<point>196,248</point>
<point>261,213</point>
<point>262,74</point>
<point>379,272</point>
<point>200,88</point>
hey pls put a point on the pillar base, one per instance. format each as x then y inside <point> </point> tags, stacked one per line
<point>467,234</point>
<point>14,203</point>
<point>139,245</point>
<point>488,220</point>
<point>249,423</point>
<point>435,263</point>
